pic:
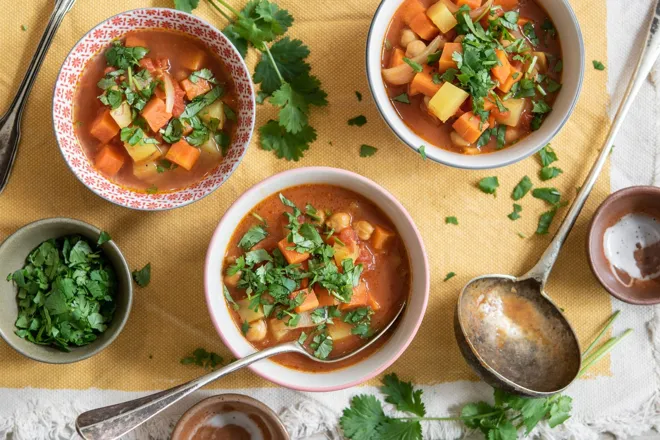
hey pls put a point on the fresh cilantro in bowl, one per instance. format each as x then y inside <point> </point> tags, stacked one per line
<point>66,293</point>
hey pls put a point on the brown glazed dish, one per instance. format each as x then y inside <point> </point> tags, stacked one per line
<point>643,200</point>
<point>197,422</point>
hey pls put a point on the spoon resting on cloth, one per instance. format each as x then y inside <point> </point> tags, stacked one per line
<point>113,421</point>
<point>508,329</point>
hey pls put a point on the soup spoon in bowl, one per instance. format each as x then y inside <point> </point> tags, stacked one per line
<point>508,329</point>
<point>113,421</point>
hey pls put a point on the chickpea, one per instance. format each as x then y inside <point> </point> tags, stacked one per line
<point>320,213</point>
<point>257,331</point>
<point>364,229</point>
<point>338,221</point>
<point>407,37</point>
<point>415,48</point>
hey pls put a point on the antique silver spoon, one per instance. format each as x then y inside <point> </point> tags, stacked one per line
<point>10,130</point>
<point>113,421</point>
<point>545,365</point>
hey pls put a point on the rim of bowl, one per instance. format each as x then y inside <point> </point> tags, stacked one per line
<point>253,193</point>
<point>192,200</point>
<point>591,237</point>
<point>448,162</point>
<point>74,357</point>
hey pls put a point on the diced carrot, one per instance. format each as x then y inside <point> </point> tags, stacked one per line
<point>309,303</point>
<point>179,104</point>
<point>515,76</point>
<point>324,297</point>
<point>411,8</point>
<point>380,237</point>
<point>522,21</point>
<point>446,59</point>
<point>397,57</point>
<point>472,4</point>
<point>104,127</point>
<point>423,83</point>
<point>422,25</point>
<point>492,15</point>
<point>155,113</point>
<point>488,104</point>
<point>506,4</point>
<point>159,92</point>
<point>360,297</point>
<point>183,154</point>
<point>304,266</point>
<point>109,161</point>
<point>192,58</point>
<point>148,63</point>
<point>498,114</point>
<point>501,72</point>
<point>470,127</point>
<point>291,256</point>
<point>133,40</point>
<point>187,128</point>
<point>491,120</point>
<point>195,89</point>
<point>162,63</point>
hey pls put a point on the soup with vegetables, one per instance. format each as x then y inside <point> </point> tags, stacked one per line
<point>472,76</point>
<point>319,264</point>
<point>154,111</point>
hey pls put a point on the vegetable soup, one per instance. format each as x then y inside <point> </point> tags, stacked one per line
<point>472,78</point>
<point>155,111</point>
<point>319,264</point>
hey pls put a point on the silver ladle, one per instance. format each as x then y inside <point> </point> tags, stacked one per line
<point>113,421</point>
<point>546,359</point>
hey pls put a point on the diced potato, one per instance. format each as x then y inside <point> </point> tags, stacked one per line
<point>338,221</point>
<point>364,229</point>
<point>257,331</point>
<point>122,115</point>
<point>279,329</point>
<point>339,330</point>
<point>381,237</point>
<point>142,151</point>
<point>211,147</point>
<point>516,107</point>
<point>458,140</point>
<point>214,110</point>
<point>145,171</point>
<point>247,314</point>
<point>446,102</point>
<point>232,280</point>
<point>349,251</point>
<point>442,17</point>
<point>511,134</point>
<point>541,61</point>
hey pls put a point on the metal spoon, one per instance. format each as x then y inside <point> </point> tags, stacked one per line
<point>10,130</point>
<point>547,358</point>
<point>113,421</point>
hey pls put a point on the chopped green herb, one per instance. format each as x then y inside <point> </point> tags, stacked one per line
<point>203,358</point>
<point>517,209</point>
<point>204,74</point>
<point>449,276</point>
<point>358,95</point>
<point>415,65</point>
<point>367,150</point>
<point>547,155</point>
<point>521,235</point>
<point>489,185</point>
<point>550,195</point>
<point>559,66</point>
<point>142,277</point>
<point>433,57</point>
<point>545,220</point>
<point>23,28</point>
<point>451,220</point>
<point>548,173</point>
<point>522,188</point>
<point>245,327</point>
<point>253,236</point>
<point>598,65</point>
<point>422,151</point>
<point>358,120</point>
<point>402,98</point>
<point>104,237</point>
<point>153,189</point>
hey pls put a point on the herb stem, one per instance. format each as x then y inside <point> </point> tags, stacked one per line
<point>130,78</point>
<point>272,61</point>
<point>608,324</point>
<point>223,13</point>
<point>228,6</point>
<point>449,419</point>
<point>602,351</point>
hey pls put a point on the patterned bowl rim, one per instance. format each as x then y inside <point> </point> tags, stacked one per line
<point>193,199</point>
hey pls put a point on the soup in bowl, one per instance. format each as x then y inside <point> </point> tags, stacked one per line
<point>153,109</point>
<point>320,256</point>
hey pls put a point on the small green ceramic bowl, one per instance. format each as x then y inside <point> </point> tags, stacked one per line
<point>13,252</point>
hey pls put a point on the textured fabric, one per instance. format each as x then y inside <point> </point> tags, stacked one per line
<point>169,318</point>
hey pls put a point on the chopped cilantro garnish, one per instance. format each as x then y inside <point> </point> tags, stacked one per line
<point>548,173</point>
<point>358,95</point>
<point>142,277</point>
<point>522,188</point>
<point>449,276</point>
<point>367,150</point>
<point>253,236</point>
<point>547,155</point>
<point>517,209</point>
<point>489,185</point>
<point>422,151</point>
<point>598,65</point>
<point>358,120</point>
<point>545,220</point>
<point>451,220</point>
<point>402,98</point>
<point>104,237</point>
<point>550,195</point>
<point>415,65</point>
<point>204,359</point>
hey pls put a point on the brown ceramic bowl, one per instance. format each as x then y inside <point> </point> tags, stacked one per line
<point>642,199</point>
<point>262,416</point>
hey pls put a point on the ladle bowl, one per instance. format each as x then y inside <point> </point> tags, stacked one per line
<point>536,353</point>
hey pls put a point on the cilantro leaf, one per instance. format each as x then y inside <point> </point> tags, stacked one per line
<point>422,151</point>
<point>285,144</point>
<point>522,188</point>
<point>289,58</point>
<point>186,5</point>
<point>253,236</point>
<point>361,419</point>
<point>489,185</point>
<point>449,276</point>
<point>415,65</point>
<point>393,429</point>
<point>598,65</point>
<point>517,209</point>
<point>201,101</point>
<point>402,395</point>
<point>358,120</point>
<point>104,237</point>
<point>124,57</point>
<point>550,195</point>
<point>402,98</point>
<point>545,220</point>
<point>358,95</point>
<point>142,277</point>
<point>451,220</point>
<point>293,114</point>
<point>548,173</point>
<point>367,150</point>
<point>547,155</point>
<point>202,74</point>
<point>204,359</point>
<point>229,298</point>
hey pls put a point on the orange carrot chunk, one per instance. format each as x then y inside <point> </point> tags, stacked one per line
<point>192,59</point>
<point>522,21</point>
<point>291,256</point>
<point>155,113</point>
<point>179,104</point>
<point>324,297</point>
<point>397,57</point>
<point>380,237</point>
<point>183,154</point>
<point>472,4</point>
<point>148,63</point>
<point>109,161</point>
<point>410,9</point>
<point>195,89</point>
<point>502,71</point>
<point>360,297</point>
<point>506,4</point>
<point>470,127</point>
<point>133,40</point>
<point>423,83</point>
<point>309,303</point>
<point>104,127</point>
<point>422,25</point>
<point>515,76</point>
<point>446,59</point>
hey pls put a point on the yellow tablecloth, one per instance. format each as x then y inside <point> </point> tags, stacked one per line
<point>169,318</point>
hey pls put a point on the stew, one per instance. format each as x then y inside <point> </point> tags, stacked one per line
<point>319,264</point>
<point>154,111</point>
<point>472,78</point>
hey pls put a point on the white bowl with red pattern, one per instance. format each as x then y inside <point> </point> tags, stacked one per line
<point>98,39</point>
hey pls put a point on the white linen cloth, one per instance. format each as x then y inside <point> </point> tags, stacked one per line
<point>625,404</point>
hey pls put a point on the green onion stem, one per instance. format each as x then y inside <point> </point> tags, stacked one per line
<point>602,351</point>
<point>608,324</point>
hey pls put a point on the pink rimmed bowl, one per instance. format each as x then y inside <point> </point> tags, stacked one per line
<point>98,39</point>
<point>364,369</point>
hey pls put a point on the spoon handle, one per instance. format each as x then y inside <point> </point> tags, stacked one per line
<point>647,59</point>
<point>113,421</point>
<point>10,131</point>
